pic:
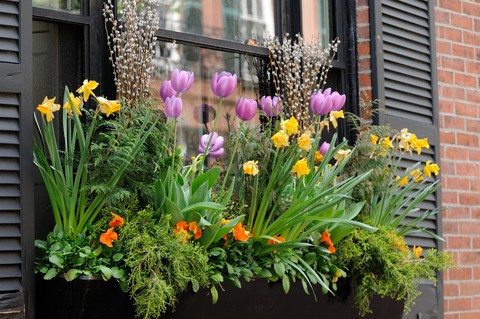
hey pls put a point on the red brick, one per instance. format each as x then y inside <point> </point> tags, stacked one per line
<point>476,26</point>
<point>463,51</point>
<point>455,153</point>
<point>471,9</point>
<point>455,6</point>
<point>471,38</point>
<point>472,66</point>
<point>476,303</point>
<point>466,169</point>
<point>476,216</point>
<point>453,92</point>
<point>476,273</point>
<point>363,16</point>
<point>445,76</point>
<point>476,245</point>
<point>469,315</point>
<point>467,140</point>
<point>451,290</point>
<point>472,96</point>
<point>449,33</point>
<point>454,122</point>
<point>460,242</point>
<point>457,213</point>
<point>442,16</point>
<point>450,227</point>
<point>459,304</point>
<point>469,288</point>
<point>460,274</point>
<point>450,315</point>
<point>473,155</point>
<point>447,137</point>
<point>446,106</point>
<point>453,63</point>
<point>473,125</point>
<point>448,168</point>
<point>470,110</point>
<point>469,227</point>
<point>456,183</point>
<point>474,185</point>
<point>444,47</point>
<point>364,64</point>
<point>363,32</point>
<point>461,21</point>
<point>469,258</point>
<point>465,80</point>
<point>364,48</point>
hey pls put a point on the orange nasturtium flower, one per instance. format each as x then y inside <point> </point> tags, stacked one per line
<point>87,89</point>
<point>291,126</point>
<point>197,231</point>
<point>116,220</point>
<point>280,139</point>
<point>240,233</point>
<point>47,108</point>
<point>251,168</point>
<point>279,239</point>
<point>77,104</point>
<point>108,107</point>
<point>417,251</point>
<point>181,230</point>
<point>327,240</point>
<point>301,168</point>
<point>108,237</point>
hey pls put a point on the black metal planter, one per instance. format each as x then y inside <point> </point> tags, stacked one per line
<point>82,298</point>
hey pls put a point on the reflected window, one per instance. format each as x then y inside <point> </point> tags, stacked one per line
<point>317,20</point>
<point>237,20</point>
<point>72,6</point>
<point>199,103</point>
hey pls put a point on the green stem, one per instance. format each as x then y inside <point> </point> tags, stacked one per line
<point>211,133</point>
<point>231,157</point>
<point>174,142</point>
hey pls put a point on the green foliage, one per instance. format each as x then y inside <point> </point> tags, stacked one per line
<point>381,263</point>
<point>73,257</point>
<point>160,265</point>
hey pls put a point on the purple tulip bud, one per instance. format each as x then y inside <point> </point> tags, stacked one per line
<point>166,90</point>
<point>215,149</point>
<point>271,106</point>
<point>223,84</point>
<point>246,109</point>
<point>324,148</point>
<point>338,101</point>
<point>173,106</point>
<point>320,104</point>
<point>182,81</point>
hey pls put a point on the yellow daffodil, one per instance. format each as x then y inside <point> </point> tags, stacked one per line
<point>417,144</point>
<point>386,143</point>
<point>403,181</point>
<point>77,104</point>
<point>250,168</point>
<point>108,107</point>
<point>301,168</point>
<point>280,139</point>
<point>87,89</point>
<point>417,251</point>
<point>305,141</point>
<point>318,157</point>
<point>47,108</point>
<point>324,124</point>
<point>373,139</point>
<point>334,115</point>
<point>290,126</point>
<point>430,168</point>
<point>341,154</point>
<point>417,175</point>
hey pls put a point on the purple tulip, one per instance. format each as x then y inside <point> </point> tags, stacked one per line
<point>338,101</point>
<point>223,84</point>
<point>215,149</point>
<point>173,106</point>
<point>182,81</point>
<point>324,148</point>
<point>246,109</point>
<point>271,106</point>
<point>166,90</point>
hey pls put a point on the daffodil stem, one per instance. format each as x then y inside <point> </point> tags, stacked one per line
<point>232,155</point>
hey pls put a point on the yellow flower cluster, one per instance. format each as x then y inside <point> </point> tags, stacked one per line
<point>409,141</point>
<point>48,106</point>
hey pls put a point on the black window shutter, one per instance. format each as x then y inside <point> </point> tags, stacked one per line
<point>404,79</point>
<point>16,234</point>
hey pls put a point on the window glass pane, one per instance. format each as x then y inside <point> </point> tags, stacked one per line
<point>67,5</point>
<point>236,20</point>
<point>317,20</point>
<point>199,103</point>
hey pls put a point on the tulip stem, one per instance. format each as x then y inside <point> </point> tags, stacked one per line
<point>174,143</point>
<point>232,156</point>
<point>213,131</point>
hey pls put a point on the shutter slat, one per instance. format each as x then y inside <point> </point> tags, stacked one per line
<point>9,164</point>
<point>9,217</point>
<point>9,138</point>
<point>9,191</point>
<point>9,125</point>
<point>8,244</point>
<point>9,204</point>
<point>10,258</point>
<point>9,7</point>
<point>10,271</point>
<point>10,284</point>
<point>10,151</point>
<point>9,231</point>
<point>9,177</point>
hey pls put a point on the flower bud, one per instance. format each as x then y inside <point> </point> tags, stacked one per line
<point>182,81</point>
<point>324,148</point>
<point>215,149</point>
<point>223,83</point>
<point>271,106</point>
<point>246,109</point>
<point>166,90</point>
<point>173,106</point>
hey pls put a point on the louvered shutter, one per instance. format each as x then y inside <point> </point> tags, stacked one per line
<point>15,153</point>
<point>404,79</point>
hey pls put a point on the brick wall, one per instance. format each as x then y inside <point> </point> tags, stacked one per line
<point>458,61</point>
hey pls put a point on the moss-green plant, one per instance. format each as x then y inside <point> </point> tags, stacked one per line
<point>160,265</point>
<point>381,263</point>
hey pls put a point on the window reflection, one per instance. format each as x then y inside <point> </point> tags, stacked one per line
<point>199,103</point>
<point>317,20</point>
<point>236,20</point>
<point>67,5</point>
